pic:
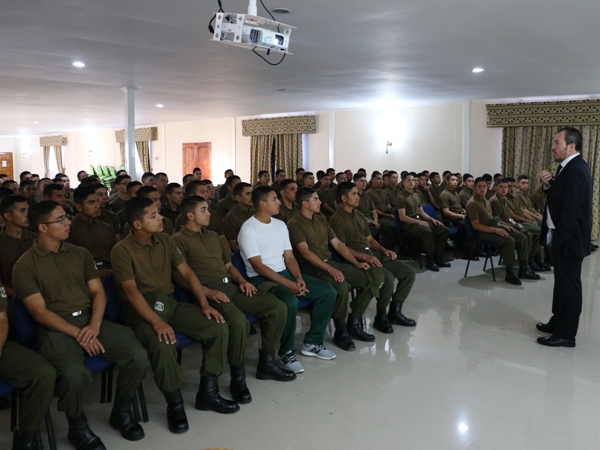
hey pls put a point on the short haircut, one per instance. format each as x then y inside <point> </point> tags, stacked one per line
<point>206,181</point>
<point>40,212</point>
<point>357,176</point>
<point>331,169</point>
<point>522,177</point>
<point>298,170</point>
<point>362,169</point>
<point>186,177</point>
<point>285,183</point>
<point>80,172</point>
<point>121,178</point>
<point>375,173</point>
<point>500,181</point>
<point>228,170</point>
<point>479,180</point>
<point>509,179</point>
<point>92,179</point>
<point>8,203</point>
<point>497,175</point>
<point>231,179</point>
<point>405,175</point>
<point>304,194</point>
<point>306,175</point>
<point>83,192</point>
<point>23,174</point>
<point>147,175</point>
<point>278,171</point>
<point>25,182</point>
<point>239,188</point>
<point>131,185</point>
<point>467,175</point>
<point>573,136</point>
<point>171,187</point>
<point>145,191</point>
<point>260,194</point>
<point>48,190</point>
<point>432,175</point>
<point>134,208</point>
<point>446,172</point>
<point>96,186</point>
<point>5,192</point>
<point>10,182</point>
<point>339,174</point>
<point>320,174</point>
<point>192,187</point>
<point>121,172</point>
<point>487,177</point>
<point>262,172</point>
<point>344,189</point>
<point>190,204</point>
<point>160,174</point>
<point>392,172</point>
<point>196,169</point>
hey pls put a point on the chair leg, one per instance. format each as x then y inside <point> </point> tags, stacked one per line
<point>179,355</point>
<point>109,385</point>
<point>136,410</point>
<point>14,409</point>
<point>492,264</point>
<point>38,439</point>
<point>143,405</point>
<point>50,431</point>
<point>103,387</point>
<point>469,256</point>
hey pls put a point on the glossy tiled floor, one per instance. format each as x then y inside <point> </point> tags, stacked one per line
<point>470,375</point>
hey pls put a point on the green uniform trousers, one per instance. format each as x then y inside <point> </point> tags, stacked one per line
<point>186,318</point>
<point>366,285</point>
<point>322,295</point>
<point>396,269</point>
<point>35,377</point>
<point>533,239</point>
<point>434,238</point>
<point>388,233</point>
<point>508,244</point>
<point>67,356</point>
<point>269,310</point>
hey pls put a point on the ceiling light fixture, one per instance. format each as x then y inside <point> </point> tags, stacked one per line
<point>79,64</point>
<point>35,123</point>
<point>477,70</point>
<point>160,105</point>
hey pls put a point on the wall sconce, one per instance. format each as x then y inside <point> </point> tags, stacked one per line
<point>387,147</point>
<point>90,151</point>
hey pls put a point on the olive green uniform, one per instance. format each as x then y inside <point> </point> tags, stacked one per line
<point>97,237</point>
<point>61,278</point>
<point>465,195</point>
<point>116,204</point>
<point>11,250</point>
<point>424,196</point>
<point>434,237</point>
<point>501,208</point>
<point>387,227</point>
<point>351,229</point>
<point>222,192</point>
<point>451,200</point>
<point>167,211</point>
<point>168,227</point>
<point>285,214</point>
<point>515,206</point>
<point>479,209</point>
<point>225,205</point>
<point>150,266</point>
<point>207,256</point>
<point>234,220</point>
<point>327,198</point>
<point>538,199</point>
<point>112,219</point>
<point>215,224</point>
<point>29,372</point>
<point>317,235</point>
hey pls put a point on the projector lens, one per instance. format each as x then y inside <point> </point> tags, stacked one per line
<point>279,39</point>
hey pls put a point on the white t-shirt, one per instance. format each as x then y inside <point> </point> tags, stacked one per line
<point>267,240</point>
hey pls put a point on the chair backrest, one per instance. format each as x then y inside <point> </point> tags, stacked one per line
<point>399,224</point>
<point>112,172</point>
<point>183,295</point>
<point>113,307</point>
<point>92,171</point>
<point>25,327</point>
<point>429,210</point>
<point>469,228</point>
<point>238,263</point>
<point>335,256</point>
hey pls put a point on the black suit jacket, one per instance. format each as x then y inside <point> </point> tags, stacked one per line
<point>569,201</point>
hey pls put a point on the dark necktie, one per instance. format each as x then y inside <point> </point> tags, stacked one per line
<point>558,170</point>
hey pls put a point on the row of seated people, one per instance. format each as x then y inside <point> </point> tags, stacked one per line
<point>60,286</point>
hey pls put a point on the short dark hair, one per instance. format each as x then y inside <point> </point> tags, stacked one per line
<point>500,181</point>
<point>320,174</point>
<point>479,180</point>
<point>48,190</point>
<point>339,174</point>
<point>92,179</point>
<point>299,169</point>
<point>344,189</point>
<point>23,174</point>
<point>228,170</point>
<point>192,187</point>
<point>5,192</point>
<point>145,191</point>
<point>278,171</point>
<point>80,172</point>
<point>207,181</point>
<point>392,172</point>
<point>432,175</point>
<point>120,179</point>
<point>96,186</point>
<point>304,194</point>
<point>196,169</point>
<point>260,194</point>
<point>134,208</point>
<point>375,173</point>
<point>171,187</point>
<point>160,174</point>
<point>83,192</point>
<point>121,172</point>
<point>467,175</point>
<point>7,205</point>
<point>147,175</point>
<point>131,185</point>
<point>25,182</point>
<point>522,177</point>
<point>239,188</point>
<point>186,177</point>
<point>306,175</point>
<point>357,176</point>
<point>497,175</point>
<point>405,175</point>
<point>262,172</point>
<point>487,177</point>
<point>285,183</point>
<point>189,204</point>
<point>231,179</point>
<point>40,212</point>
<point>573,136</point>
<point>509,179</point>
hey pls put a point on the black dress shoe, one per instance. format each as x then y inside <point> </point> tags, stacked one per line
<point>545,327</point>
<point>442,263</point>
<point>536,267</point>
<point>176,417</point>
<point>342,339</point>
<point>122,419</point>
<point>356,329</point>
<point>81,437</point>
<point>396,317</point>
<point>268,369</point>
<point>555,341</point>
<point>208,398</point>
<point>431,265</point>
<point>382,323</point>
<point>512,278</point>
<point>237,387</point>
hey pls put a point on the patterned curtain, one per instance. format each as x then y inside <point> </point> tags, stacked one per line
<point>288,152</point>
<point>46,153</point>
<point>527,150</point>
<point>59,159</point>
<point>260,154</point>
<point>144,154</point>
<point>122,150</point>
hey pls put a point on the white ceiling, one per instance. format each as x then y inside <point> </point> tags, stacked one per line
<point>346,54</point>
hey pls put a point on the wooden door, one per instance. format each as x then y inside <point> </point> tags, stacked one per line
<point>197,154</point>
<point>6,165</point>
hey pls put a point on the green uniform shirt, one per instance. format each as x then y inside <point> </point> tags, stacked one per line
<point>285,214</point>
<point>117,204</point>
<point>479,209</point>
<point>524,201</point>
<point>96,236</point>
<point>422,195</point>
<point>61,278</point>
<point>222,192</point>
<point>410,202</point>
<point>391,195</point>
<point>11,249</point>
<point>316,232</point>
<point>366,205</point>
<point>436,191</point>
<point>380,199</point>
<point>500,208</point>
<point>234,220</point>
<point>538,199</point>
<point>450,199</point>
<point>150,265</point>
<point>112,219</point>
<point>489,194</point>
<point>351,229</point>
<point>327,198</point>
<point>514,205</point>
<point>465,195</point>
<point>215,224</point>
<point>225,205</point>
<point>166,211</point>
<point>205,253</point>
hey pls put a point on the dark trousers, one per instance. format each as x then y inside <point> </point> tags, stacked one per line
<point>567,296</point>
<point>434,238</point>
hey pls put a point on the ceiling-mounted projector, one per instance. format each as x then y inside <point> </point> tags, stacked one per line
<point>252,32</point>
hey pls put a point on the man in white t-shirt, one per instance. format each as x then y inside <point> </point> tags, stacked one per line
<point>267,253</point>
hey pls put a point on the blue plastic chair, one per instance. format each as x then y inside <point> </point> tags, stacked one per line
<point>486,247</point>
<point>453,232</point>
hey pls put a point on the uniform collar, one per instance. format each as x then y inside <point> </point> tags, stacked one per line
<point>190,232</point>
<point>43,252</point>
<point>138,244</point>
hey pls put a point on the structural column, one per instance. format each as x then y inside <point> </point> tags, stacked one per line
<point>130,149</point>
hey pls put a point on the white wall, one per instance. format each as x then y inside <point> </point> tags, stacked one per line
<point>485,145</point>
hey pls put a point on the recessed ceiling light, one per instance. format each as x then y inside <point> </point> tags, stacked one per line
<point>79,64</point>
<point>160,105</point>
<point>477,70</point>
<point>280,10</point>
<point>36,122</point>
<point>281,90</point>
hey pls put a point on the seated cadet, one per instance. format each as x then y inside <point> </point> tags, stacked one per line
<point>235,218</point>
<point>366,206</point>
<point>89,232</point>
<point>501,209</point>
<point>28,189</point>
<point>148,179</point>
<point>308,179</point>
<point>326,196</point>
<point>172,207</point>
<point>385,212</point>
<point>226,203</point>
<point>432,232</point>
<point>61,288</point>
<point>287,194</point>
<point>222,189</point>
<point>466,192</point>
<point>350,228</point>
<point>311,236</point>
<point>152,193</point>
<point>300,177</point>
<point>453,211</point>
<point>13,186</point>
<point>32,375</point>
<point>230,294</point>
<point>340,177</point>
<point>480,214</point>
<point>161,180</point>
<point>424,190</point>
<point>393,188</point>
<point>142,264</point>
<point>106,215</point>
<point>117,203</point>
<point>263,178</point>
<point>436,188</point>
<point>56,193</point>
<point>267,253</point>
<point>210,191</point>
<point>522,197</point>
<point>132,188</point>
<point>15,239</point>
<point>279,177</point>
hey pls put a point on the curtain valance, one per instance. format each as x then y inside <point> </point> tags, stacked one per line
<point>141,134</point>
<point>51,141</point>
<point>280,125</point>
<point>574,112</point>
